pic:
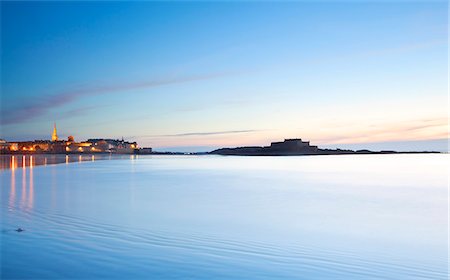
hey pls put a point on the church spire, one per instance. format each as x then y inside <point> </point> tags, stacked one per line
<point>54,134</point>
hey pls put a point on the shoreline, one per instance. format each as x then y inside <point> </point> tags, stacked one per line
<point>325,154</point>
<point>225,154</point>
<point>31,160</point>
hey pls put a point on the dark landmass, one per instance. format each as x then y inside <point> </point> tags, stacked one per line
<point>297,147</point>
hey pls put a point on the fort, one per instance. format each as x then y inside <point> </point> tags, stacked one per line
<point>59,146</point>
<point>287,147</point>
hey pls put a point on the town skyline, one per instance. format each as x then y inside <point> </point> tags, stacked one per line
<point>59,145</point>
<point>252,74</point>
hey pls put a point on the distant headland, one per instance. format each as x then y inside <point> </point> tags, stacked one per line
<point>297,147</point>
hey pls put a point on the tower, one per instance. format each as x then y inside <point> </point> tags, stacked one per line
<point>54,134</point>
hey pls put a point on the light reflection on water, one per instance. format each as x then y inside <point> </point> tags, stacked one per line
<point>330,217</point>
<point>27,190</point>
<point>12,193</point>
<point>24,183</point>
<point>31,184</point>
<point>23,161</point>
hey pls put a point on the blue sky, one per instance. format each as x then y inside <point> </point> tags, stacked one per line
<point>199,75</point>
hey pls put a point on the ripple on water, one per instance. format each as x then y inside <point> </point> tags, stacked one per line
<point>103,250</point>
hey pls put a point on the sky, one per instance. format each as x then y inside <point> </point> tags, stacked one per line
<point>194,76</point>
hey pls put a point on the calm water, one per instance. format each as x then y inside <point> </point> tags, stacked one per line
<point>318,217</point>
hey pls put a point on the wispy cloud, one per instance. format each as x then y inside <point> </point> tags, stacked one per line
<point>76,112</point>
<point>200,133</point>
<point>210,133</point>
<point>401,131</point>
<point>32,109</point>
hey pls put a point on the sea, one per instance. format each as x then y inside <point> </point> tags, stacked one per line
<point>224,217</point>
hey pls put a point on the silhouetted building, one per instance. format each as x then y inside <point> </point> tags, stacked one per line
<point>292,145</point>
<point>287,147</point>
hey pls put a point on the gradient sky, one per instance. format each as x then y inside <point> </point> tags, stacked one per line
<point>199,75</point>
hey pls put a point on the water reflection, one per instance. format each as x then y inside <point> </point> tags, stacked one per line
<point>13,163</point>
<point>25,187</point>
<point>24,161</point>
<point>12,193</point>
<point>24,183</point>
<point>31,182</point>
